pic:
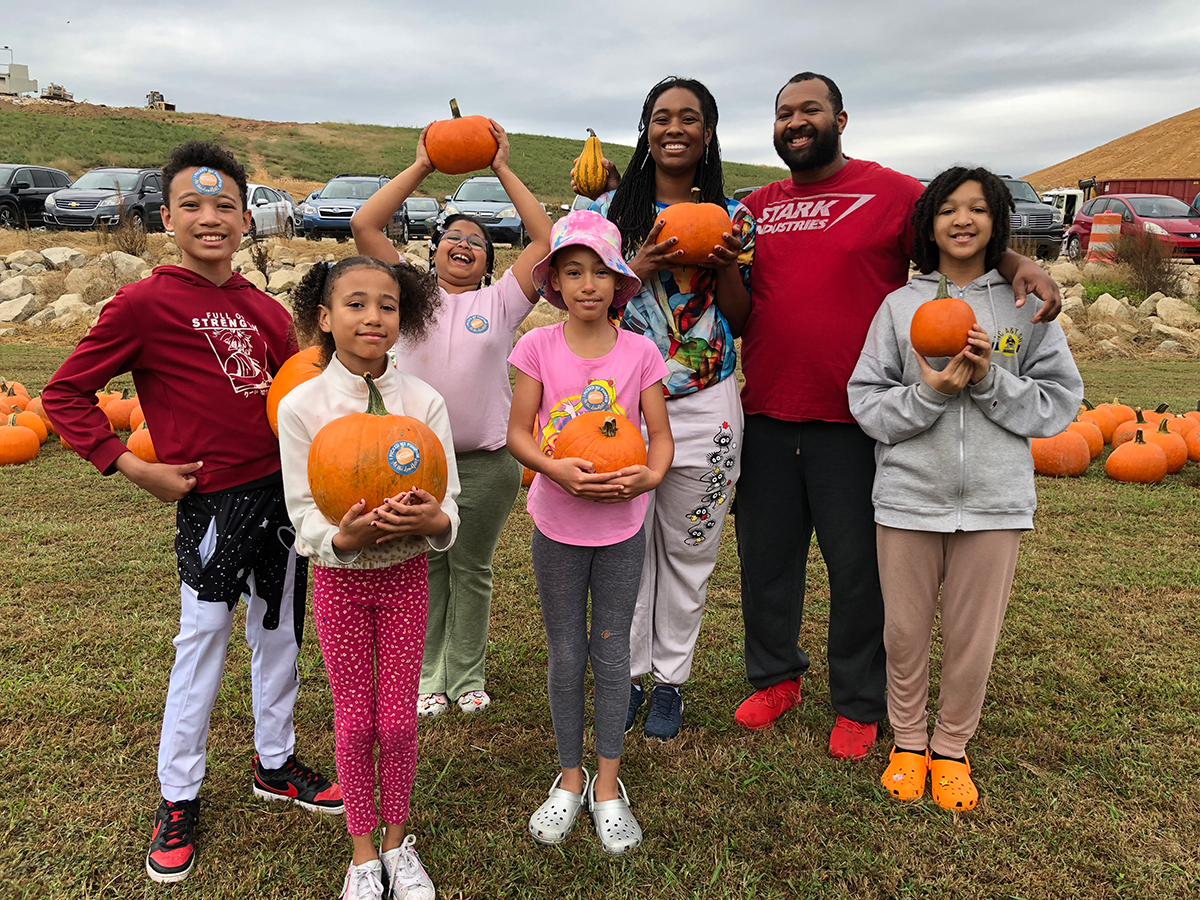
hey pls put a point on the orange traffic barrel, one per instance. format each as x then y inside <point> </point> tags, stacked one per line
<point>1106,228</point>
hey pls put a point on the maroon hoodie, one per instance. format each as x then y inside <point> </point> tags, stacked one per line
<point>202,357</point>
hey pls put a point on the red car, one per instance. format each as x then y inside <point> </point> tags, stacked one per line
<point>1165,217</point>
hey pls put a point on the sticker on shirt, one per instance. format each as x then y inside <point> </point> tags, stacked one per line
<point>239,349</point>
<point>715,487</point>
<point>477,324</point>
<point>597,395</point>
<point>818,213</point>
<point>1007,342</point>
<point>404,457</point>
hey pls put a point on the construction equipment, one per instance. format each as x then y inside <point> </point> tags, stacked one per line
<point>155,100</point>
<point>57,92</point>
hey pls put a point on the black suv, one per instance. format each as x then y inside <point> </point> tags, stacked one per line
<point>23,193</point>
<point>1034,221</point>
<point>102,196</point>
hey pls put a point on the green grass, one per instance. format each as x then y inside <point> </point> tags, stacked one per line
<point>1087,755</point>
<point>1092,290</point>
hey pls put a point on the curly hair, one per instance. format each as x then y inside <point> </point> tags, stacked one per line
<point>925,252</point>
<point>199,154</point>
<point>419,303</point>
<point>633,208</point>
<point>489,269</point>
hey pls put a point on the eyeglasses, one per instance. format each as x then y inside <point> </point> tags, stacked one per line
<point>455,237</point>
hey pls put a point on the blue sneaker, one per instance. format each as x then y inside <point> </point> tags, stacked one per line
<point>637,696</point>
<point>666,712</point>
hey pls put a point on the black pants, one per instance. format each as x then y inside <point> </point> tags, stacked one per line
<point>797,477</point>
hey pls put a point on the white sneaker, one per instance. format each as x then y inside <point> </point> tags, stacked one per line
<point>363,882</point>
<point>474,701</point>
<point>430,705</point>
<point>407,878</point>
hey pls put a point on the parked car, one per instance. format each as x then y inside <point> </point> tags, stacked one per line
<point>327,213</point>
<point>1167,218</point>
<point>1034,221</point>
<point>744,192</point>
<point>422,213</point>
<point>298,212</point>
<point>23,193</point>
<point>484,197</point>
<point>102,196</point>
<point>580,202</point>
<point>270,212</point>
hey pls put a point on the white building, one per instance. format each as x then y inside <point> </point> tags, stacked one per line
<point>14,79</point>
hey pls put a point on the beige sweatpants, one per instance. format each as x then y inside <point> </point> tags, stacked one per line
<point>974,570</point>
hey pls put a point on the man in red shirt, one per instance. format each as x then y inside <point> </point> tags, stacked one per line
<point>833,241</point>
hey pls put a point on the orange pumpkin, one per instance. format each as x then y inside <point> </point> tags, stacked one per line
<point>296,369</point>
<point>1122,412</point>
<point>1065,454</point>
<point>1156,415</point>
<point>18,444</point>
<point>371,456</point>
<point>1192,440</point>
<point>119,410</point>
<point>1173,445</point>
<point>939,326</point>
<point>140,444</point>
<point>14,399</point>
<point>1090,432</point>
<point>1103,418</point>
<point>699,227</point>
<point>608,441</point>
<point>1194,414</point>
<point>16,386</point>
<point>460,144</point>
<point>103,398</point>
<point>136,418</point>
<point>33,422</point>
<point>1137,461</point>
<point>1126,430</point>
<point>527,474</point>
<point>35,406</point>
<point>5,409</point>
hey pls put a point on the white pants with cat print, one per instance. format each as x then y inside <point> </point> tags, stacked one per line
<point>683,531</point>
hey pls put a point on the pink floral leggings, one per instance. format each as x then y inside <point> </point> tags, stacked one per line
<point>371,627</point>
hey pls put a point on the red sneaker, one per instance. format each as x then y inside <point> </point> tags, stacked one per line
<point>852,740</point>
<point>762,708</point>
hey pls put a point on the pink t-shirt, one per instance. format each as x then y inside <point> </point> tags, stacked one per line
<point>572,385</point>
<point>465,359</point>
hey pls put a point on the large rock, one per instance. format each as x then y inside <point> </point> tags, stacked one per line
<point>63,257</point>
<point>1171,347</point>
<point>1175,313</point>
<point>256,278</point>
<point>17,286</point>
<point>1075,290</point>
<point>68,302</point>
<point>1108,305</point>
<point>1072,302</point>
<point>242,261</point>
<point>282,281</point>
<point>1066,273</point>
<point>1188,289</point>
<point>23,258</point>
<point>18,310</point>
<point>1065,321</point>
<point>125,266</point>
<point>39,319</point>
<point>1167,332</point>
<point>1103,330</point>
<point>77,280</point>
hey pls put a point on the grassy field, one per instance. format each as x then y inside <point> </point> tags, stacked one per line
<point>1087,757</point>
<point>295,156</point>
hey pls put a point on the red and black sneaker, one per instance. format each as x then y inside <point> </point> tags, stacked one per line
<point>298,783</point>
<point>173,846</point>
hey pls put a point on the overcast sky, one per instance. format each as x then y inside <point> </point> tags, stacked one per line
<point>1016,86</point>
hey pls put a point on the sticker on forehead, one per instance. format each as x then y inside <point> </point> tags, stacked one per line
<point>207,181</point>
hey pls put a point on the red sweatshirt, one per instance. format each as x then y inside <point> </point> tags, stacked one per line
<point>202,358</point>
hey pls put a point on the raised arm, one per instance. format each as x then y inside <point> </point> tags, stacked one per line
<point>533,215</point>
<point>369,222</point>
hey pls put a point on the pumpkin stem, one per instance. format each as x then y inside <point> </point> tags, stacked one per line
<point>454,108</point>
<point>1086,404</point>
<point>695,195</point>
<point>592,133</point>
<point>1162,426</point>
<point>1161,408</point>
<point>609,428</point>
<point>1141,420</point>
<point>943,294</point>
<point>1137,437</point>
<point>375,405</point>
<point>12,421</point>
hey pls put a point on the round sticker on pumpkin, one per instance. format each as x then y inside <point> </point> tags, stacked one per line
<point>207,181</point>
<point>404,457</point>
<point>477,324</point>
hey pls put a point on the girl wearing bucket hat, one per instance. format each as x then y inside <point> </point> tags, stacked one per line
<point>465,358</point>
<point>693,314</point>
<point>588,534</point>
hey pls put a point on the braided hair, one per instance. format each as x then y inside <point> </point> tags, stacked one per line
<point>418,305</point>
<point>633,208</point>
<point>925,252</point>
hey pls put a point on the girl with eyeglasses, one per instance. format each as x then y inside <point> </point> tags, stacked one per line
<point>465,358</point>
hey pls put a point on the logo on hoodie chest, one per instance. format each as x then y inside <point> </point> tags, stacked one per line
<point>239,349</point>
<point>1007,342</point>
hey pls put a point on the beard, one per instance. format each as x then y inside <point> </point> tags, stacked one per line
<point>821,152</point>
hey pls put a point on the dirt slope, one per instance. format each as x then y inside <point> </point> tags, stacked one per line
<point>1166,149</point>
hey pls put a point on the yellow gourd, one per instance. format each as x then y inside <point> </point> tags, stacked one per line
<point>590,177</point>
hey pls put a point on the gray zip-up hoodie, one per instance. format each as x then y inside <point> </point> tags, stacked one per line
<point>961,463</point>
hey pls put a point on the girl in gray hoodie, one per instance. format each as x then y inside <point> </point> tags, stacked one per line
<point>954,476</point>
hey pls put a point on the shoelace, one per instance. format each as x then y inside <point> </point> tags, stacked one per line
<point>662,702</point>
<point>181,818</point>
<point>364,881</point>
<point>408,860</point>
<point>852,726</point>
<point>776,694</point>
<point>299,772</point>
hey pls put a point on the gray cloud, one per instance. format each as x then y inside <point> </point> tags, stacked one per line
<point>1017,87</point>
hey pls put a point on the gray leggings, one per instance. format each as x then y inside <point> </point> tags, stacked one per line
<point>564,573</point>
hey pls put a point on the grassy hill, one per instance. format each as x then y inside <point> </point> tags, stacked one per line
<point>295,156</point>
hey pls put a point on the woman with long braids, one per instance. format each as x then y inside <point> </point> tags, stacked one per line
<point>693,314</point>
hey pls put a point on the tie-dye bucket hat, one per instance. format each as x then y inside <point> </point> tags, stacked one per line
<point>588,229</point>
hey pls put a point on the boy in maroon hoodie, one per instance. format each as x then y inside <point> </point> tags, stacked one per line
<point>202,344</point>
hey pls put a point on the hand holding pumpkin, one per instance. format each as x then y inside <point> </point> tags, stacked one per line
<point>166,482</point>
<point>412,512</point>
<point>725,255</point>
<point>500,160</point>
<point>632,480</point>
<point>652,257</point>
<point>979,352</point>
<point>423,161</point>
<point>356,529</point>
<point>951,379</point>
<point>611,183</point>
<point>579,478</point>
